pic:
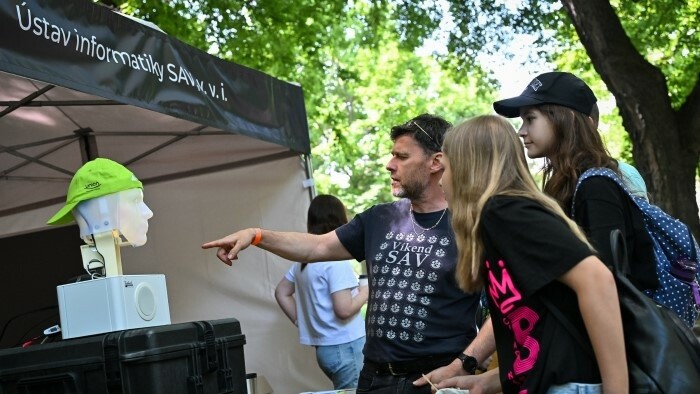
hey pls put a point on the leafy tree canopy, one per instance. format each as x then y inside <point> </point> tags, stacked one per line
<point>356,62</point>
<point>665,32</point>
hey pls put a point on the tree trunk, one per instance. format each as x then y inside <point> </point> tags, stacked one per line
<point>665,142</point>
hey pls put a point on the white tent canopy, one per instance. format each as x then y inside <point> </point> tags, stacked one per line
<point>89,82</point>
<point>218,147</point>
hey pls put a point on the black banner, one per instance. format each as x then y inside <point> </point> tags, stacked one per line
<point>87,47</point>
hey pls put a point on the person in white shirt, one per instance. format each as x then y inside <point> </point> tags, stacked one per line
<point>328,301</point>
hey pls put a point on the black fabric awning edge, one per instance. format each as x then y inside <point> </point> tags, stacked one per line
<point>198,87</point>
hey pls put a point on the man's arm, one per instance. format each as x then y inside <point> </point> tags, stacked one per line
<point>481,348</point>
<point>284,294</point>
<point>300,247</point>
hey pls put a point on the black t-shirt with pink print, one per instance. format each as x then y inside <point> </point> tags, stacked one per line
<point>526,249</point>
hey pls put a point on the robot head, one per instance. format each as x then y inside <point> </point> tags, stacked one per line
<point>124,211</point>
<point>104,195</point>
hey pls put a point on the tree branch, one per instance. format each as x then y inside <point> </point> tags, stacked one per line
<point>622,67</point>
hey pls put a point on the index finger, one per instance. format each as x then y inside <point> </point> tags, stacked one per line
<point>422,381</point>
<point>213,244</point>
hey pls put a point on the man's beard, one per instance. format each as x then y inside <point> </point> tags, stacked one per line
<point>411,190</point>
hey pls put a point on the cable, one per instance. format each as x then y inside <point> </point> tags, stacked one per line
<point>95,271</point>
<point>7,323</point>
<point>98,271</point>
<point>39,323</point>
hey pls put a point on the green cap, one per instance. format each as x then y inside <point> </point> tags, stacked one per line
<point>95,178</point>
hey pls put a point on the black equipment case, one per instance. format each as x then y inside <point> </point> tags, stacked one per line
<point>197,357</point>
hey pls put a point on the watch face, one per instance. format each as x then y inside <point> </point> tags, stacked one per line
<point>469,363</point>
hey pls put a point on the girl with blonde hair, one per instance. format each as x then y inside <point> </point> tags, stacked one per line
<point>519,244</point>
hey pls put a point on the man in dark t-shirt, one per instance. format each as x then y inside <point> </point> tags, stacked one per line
<point>418,320</point>
<point>415,308</point>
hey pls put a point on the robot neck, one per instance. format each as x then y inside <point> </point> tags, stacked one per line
<point>104,251</point>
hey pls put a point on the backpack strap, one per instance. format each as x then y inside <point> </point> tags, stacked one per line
<point>559,315</point>
<point>657,224</point>
<point>612,175</point>
<point>643,205</point>
<point>604,172</point>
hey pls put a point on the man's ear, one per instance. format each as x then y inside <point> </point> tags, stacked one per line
<point>436,164</point>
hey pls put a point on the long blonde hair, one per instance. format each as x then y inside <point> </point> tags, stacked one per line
<point>486,159</point>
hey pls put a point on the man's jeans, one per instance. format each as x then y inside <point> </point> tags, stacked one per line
<point>341,363</point>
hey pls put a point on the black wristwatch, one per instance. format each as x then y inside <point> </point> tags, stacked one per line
<point>469,363</point>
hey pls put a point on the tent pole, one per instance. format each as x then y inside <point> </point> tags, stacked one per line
<point>309,181</point>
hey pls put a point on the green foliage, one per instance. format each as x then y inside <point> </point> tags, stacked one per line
<point>356,63</point>
<point>666,33</point>
<point>393,86</point>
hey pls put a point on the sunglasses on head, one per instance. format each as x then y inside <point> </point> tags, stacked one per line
<point>413,122</point>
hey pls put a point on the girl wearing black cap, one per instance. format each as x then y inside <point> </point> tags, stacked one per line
<point>545,258</point>
<point>557,125</point>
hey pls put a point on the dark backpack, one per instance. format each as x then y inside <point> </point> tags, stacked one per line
<point>675,252</point>
<point>663,355</point>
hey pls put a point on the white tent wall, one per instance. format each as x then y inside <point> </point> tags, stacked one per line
<point>191,211</point>
<point>26,222</point>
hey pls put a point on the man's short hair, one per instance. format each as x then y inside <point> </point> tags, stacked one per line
<point>428,130</point>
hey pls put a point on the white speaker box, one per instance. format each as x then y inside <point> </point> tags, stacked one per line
<point>112,303</point>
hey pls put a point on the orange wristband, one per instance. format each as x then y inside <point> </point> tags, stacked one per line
<point>258,237</point>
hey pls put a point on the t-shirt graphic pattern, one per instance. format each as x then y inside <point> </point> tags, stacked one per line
<point>404,274</point>
<point>415,307</point>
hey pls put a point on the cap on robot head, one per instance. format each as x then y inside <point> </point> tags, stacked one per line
<point>103,196</point>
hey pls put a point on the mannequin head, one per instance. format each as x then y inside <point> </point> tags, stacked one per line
<point>103,195</point>
<point>133,216</point>
<point>124,211</point>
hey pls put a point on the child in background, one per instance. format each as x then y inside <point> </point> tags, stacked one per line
<point>328,299</point>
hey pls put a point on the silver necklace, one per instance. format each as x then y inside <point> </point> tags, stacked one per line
<point>413,222</point>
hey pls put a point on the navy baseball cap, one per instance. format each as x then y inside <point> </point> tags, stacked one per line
<point>560,88</point>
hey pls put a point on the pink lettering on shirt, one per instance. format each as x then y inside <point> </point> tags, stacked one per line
<point>503,292</point>
<point>520,320</point>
